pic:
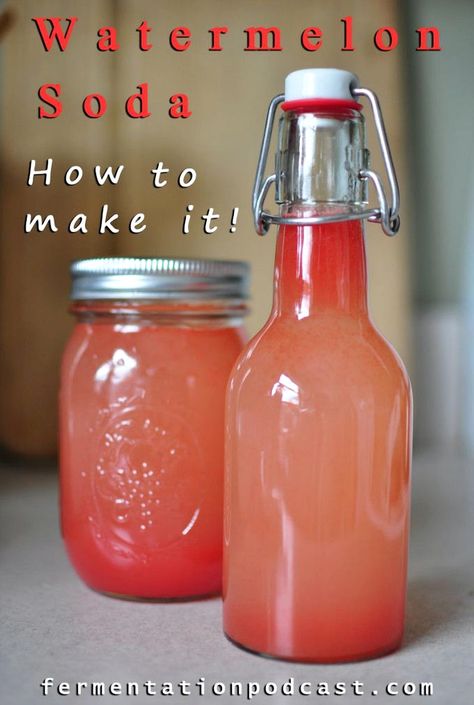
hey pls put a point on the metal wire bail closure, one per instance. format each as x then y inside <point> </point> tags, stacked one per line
<point>386,214</point>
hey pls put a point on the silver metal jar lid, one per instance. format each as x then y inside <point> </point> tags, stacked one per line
<point>122,278</point>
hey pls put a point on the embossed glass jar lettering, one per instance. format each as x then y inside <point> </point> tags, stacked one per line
<point>141,418</point>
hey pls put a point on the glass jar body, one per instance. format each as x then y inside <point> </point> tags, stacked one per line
<point>318,450</point>
<point>141,447</point>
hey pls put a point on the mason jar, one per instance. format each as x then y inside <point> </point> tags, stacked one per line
<point>143,383</point>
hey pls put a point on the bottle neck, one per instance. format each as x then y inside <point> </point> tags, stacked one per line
<point>321,269</point>
<point>319,158</point>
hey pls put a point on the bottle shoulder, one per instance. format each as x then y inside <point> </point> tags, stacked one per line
<point>321,350</point>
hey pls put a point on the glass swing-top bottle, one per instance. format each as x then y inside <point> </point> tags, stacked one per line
<point>318,425</point>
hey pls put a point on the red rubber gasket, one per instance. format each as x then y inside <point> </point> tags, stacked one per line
<point>329,105</point>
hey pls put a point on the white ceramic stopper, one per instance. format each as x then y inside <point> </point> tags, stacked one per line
<point>320,83</point>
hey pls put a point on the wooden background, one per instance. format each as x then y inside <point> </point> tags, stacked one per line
<point>229,92</point>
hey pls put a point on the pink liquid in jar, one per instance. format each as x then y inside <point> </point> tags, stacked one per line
<point>141,407</point>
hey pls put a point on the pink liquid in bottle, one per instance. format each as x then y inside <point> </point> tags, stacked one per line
<point>318,420</point>
<point>318,459</point>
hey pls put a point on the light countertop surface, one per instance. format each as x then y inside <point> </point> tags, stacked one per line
<point>54,626</point>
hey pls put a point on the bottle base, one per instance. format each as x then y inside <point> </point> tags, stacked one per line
<point>368,656</point>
